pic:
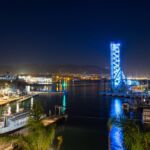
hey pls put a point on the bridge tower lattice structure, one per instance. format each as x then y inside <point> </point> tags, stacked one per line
<point>117,76</point>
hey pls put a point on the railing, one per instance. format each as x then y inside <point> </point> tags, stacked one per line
<point>14,125</point>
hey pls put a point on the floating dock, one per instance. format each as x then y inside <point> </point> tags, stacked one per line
<point>50,120</point>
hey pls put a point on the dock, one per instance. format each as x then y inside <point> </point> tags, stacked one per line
<point>26,97</point>
<point>20,99</point>
<point>50,120</point>
<point>125,95</point>
<point>49,92</point>
<point>46,122</point>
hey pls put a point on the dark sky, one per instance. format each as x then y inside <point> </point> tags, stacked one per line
<point>75,32</point>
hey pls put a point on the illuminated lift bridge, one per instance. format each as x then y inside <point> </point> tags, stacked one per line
<point>117,76</point>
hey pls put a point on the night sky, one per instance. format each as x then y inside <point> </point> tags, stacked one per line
<point>75,32</point>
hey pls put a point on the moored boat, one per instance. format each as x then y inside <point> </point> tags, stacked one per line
<point>12,123</point>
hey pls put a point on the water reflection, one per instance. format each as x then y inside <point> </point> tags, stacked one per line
<point>116,108</point>
<point>58,87</point>
<point>64,86</point>
<point>41,88</point>
<point>64,104</point>
<point>116,133</point>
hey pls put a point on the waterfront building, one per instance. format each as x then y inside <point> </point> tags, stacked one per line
<point>36,80</point>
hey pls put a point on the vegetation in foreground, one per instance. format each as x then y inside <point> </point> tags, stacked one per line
<point>35,137</point>
<point>135,138</point>
<point>38,137</point>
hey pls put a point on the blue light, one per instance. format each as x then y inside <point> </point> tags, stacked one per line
<point>116,108</point>
<point>116,133</point>
<point>116,138</point>
<point>132,82</point>
<point>116,70</point>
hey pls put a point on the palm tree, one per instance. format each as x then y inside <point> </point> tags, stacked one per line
<point>135,138</point>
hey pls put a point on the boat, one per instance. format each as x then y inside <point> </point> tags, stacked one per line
<point>12,123</point>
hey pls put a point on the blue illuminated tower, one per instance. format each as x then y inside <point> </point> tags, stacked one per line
<point>116,69</point>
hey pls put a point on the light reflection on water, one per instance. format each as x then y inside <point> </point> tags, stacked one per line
<point>64,104</point>
<point>116,133</point>
<point>76,131</point>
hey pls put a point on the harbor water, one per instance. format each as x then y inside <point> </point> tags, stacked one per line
<point>88,114</point>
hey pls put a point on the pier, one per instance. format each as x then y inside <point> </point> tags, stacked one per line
<point>50,120</point>
<point>125,94</point>
<point>45,121</point>
<point>49,92</point>
<point>20,99</point>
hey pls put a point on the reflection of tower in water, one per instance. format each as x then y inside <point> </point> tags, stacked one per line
<point>116,133</point>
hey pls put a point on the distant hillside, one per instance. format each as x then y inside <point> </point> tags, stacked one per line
<point>37,68</point>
